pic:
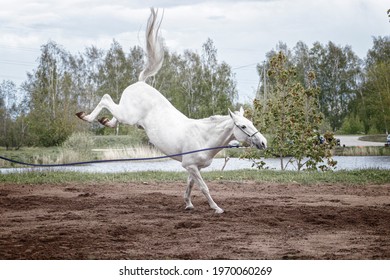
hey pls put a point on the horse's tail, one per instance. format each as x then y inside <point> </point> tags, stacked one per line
<point>154,48</point>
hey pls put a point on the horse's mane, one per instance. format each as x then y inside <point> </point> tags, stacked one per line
<point>215,119</point>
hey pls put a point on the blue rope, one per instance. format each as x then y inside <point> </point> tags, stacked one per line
<point>116,160</point>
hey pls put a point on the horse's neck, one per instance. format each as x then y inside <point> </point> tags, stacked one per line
<point>219,130</point>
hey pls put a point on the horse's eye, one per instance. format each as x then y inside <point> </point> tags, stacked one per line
<point>243,126</point>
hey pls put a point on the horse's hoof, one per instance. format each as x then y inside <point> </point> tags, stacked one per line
<point>189,208</point>
<point>104,121</point>
<point>81,115</point>
<point>219,211</point>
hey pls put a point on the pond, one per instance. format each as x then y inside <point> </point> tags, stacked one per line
<point>343,163</point>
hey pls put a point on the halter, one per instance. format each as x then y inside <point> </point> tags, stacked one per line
<point>246,133</point>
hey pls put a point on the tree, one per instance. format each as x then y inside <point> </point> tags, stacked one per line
<point>337,74</point>
<point>114,71</point>
<point>197,85</point>
<point>53,97</point>
<point>13,127</point>
<point>374,99</point>
<point>172,81</point>
<point>86,76</point>
<point>117,71</point>
<point>291,115</point>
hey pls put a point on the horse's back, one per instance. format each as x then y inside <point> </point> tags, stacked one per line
<point>140,93</point>
<point>146,106</point>
<point>140,89</point>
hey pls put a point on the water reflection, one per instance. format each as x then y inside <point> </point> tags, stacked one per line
<point>344,163</point>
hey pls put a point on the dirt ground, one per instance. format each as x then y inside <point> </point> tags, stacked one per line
<point>148,221</point>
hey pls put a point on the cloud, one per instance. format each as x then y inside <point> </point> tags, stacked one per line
<point>242,31</point>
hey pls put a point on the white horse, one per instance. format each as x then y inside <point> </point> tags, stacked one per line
<point>167,128</point>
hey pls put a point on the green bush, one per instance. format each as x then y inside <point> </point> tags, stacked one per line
<point>77,147</point>
<point>352,125</point>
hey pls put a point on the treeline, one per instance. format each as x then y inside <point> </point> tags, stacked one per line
<point>354,93</point>
<point>42,111</point>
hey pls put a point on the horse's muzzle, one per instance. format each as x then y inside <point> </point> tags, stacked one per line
<point>261,146</point>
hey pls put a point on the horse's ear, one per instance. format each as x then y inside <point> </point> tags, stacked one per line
<point>242,111</point>
<point>231,113</point>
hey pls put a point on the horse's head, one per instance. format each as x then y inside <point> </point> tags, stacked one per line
<point>245,131</point>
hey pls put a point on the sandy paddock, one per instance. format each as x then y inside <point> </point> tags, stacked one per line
<point>148,221</point>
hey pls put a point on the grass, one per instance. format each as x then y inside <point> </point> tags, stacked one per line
<point>337,151</point>
<point>362,151</point>
<point>359,177</point>
<point>374,138</point>
<point>81,147</point>
<point>36,155</point>
<point>106,141</point>
<point>129,152</point>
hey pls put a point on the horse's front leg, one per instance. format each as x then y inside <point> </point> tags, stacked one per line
<point>105,103</point>
<point>195,174</point>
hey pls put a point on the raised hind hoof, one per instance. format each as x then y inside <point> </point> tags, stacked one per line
<point>81,115</point>
<point>219,211</point>
<point>104,121</point>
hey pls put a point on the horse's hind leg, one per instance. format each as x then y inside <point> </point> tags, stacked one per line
<point>109,123</point>
<point>107,103</point>
<point>187,194</point>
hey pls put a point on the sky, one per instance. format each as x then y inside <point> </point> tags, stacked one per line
<point>242,31</point>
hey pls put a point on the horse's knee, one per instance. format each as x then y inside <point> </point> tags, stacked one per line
<point>106,97</point>
<point>106,102</point>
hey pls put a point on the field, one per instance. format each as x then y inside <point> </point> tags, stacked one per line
<point>286,217</point>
